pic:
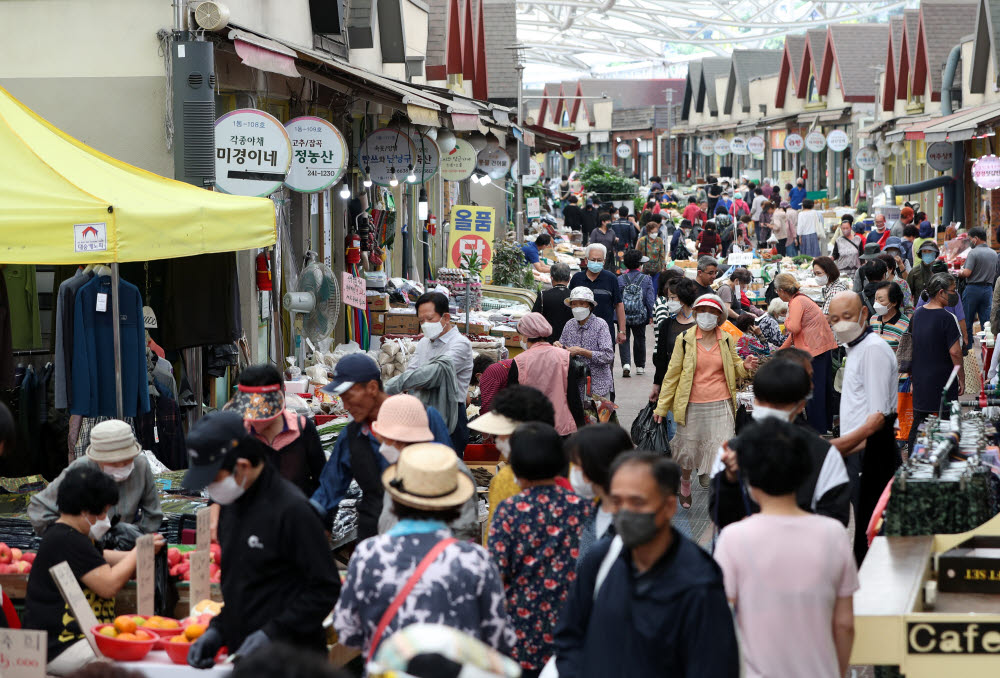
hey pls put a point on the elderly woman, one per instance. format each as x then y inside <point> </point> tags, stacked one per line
<point>546,367</point>
<point>589,338</point>
<point>809,330</point>
<point>827,275</point>
<point>752,342</point>
<point>891,321</point>
<point>893,275</point>
<point>700,389</point>
<point>847,249</point>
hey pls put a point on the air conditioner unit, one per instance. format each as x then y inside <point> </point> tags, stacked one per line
<point>212,16</point>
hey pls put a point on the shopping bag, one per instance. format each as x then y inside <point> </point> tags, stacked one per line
<point>642,420</point>
<point>649,435</point>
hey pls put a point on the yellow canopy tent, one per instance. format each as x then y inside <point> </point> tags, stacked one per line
<point>62,202</point>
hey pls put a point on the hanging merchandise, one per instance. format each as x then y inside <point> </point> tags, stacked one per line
<point>65,308</point>
<point>6,344</point>
<point>22,300</point>
<point>263,264</point>
<point>252,153</point>
<point>494,161</point>
<point>459,163</point>
<point>428,157</point>
<point>385,155</point>
<point>201,302</point>
<point>319,154</point>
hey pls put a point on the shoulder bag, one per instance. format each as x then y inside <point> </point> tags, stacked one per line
<point>904,351</point>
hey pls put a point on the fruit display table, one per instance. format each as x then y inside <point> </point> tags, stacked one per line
<point>158,665</point>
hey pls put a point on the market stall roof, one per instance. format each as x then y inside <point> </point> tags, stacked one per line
<point>64,202</point>
<point>550,140</point>
<point>959,126</point>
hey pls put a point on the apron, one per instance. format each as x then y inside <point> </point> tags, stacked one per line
<point>368,475</point>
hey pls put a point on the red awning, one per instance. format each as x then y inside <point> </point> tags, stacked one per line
<point>551,140</point>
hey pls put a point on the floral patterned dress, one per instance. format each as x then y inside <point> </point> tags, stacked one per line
<point>535,539</point>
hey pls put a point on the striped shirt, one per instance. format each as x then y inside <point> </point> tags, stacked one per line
<point>891,331</point>
<point>660,313</point>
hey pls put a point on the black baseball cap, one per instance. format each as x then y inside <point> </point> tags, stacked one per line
<point>208,442</point>
<point>355,368</point>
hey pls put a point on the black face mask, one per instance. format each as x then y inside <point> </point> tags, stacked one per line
<point>953,299</point>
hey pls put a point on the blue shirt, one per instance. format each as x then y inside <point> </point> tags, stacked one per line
<point>796,196</point>
<point>530,251</point>
<point>336,477</point>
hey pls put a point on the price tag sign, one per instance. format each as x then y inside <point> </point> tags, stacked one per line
<point>353,290</point>
<point>23,653</point>
<point>203,529</point>
<point>319,154</point>
<point>201,588</point>
<point>252,153</point>
<point>145,570</point>
<point>534,207</point>
<point>740,259</point>
<point>71,592</point>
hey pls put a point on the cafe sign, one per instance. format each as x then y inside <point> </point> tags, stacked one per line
<point>986,172</point>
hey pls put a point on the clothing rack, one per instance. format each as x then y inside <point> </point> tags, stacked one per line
<point>34,351</point>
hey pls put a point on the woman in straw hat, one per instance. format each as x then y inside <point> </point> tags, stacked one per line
<point>459,585</point>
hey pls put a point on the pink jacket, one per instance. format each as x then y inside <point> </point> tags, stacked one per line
<point>545,367</point>
<point>807,327</point>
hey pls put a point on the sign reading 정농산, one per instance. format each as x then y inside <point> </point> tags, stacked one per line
<point>472,229</point>
<point>319,154</point>
<point>427,157</point>
<point>252,153</point>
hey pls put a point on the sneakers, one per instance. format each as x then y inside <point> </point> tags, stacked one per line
<point>705,480</point>
<point>626,370</point>
<point>639,370</point>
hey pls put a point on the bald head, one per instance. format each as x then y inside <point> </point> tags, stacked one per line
<point>847,306</point>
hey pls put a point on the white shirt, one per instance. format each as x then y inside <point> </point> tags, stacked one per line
<point>809,222</point>
<point>871,381</point>
<point>757,207</point>
<point>453,345</point>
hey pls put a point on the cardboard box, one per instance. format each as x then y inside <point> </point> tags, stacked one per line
<point>378,302</point>
<point>402,323</point>
<point>376,323</point>
<point>971,567</point>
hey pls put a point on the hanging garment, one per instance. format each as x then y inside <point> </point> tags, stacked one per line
<point>6,342</point>
<point>22,297</point>
<point>160,431</point>
<point>93,392</point>
<point>201,304</point>
<point>65,308</point>
<point>87,425</point>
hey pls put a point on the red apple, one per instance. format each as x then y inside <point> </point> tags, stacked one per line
<point>187,576</point>
<point>22,566</point>
<point>5,553</point>
<point>15,554</point>
<point>216,553</point>
<point>173,556</point>
<point>28,557</point>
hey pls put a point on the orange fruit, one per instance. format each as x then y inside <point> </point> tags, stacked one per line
<point>166,623</point>
<point>181,638</point>
<point>142,635</point>
<point>125,624</point>
<point>109,631</point>
<point>194,631</point>
<point>128,636</point>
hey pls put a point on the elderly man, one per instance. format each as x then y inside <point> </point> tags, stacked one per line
<point>798,194</point>
<point>651,576</point>
<point>550,302</point>
<point>114,450</point>
<point>867,409</point>
<point>604,285</point>
<point>876,235</point>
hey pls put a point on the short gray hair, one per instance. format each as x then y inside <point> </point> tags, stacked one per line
<point>597,245</point>
<point>706,261</point>
<point>559,272</point>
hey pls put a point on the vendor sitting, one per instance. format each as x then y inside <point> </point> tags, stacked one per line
<point>86,498</point>
<point>752,342</point>
<point>114,450</point>
<point>532,252</point>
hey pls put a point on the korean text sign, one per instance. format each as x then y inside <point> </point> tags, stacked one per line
<point>472,229</point>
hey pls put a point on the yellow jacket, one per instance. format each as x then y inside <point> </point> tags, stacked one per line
<point>675,392</point>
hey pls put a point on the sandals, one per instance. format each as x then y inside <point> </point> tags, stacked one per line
<point>685,497</point>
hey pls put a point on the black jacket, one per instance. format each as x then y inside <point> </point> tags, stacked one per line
<point>588,221</point>
<point>551,304</point>
<point>830,490</point>
<point>301,461</point>
<point>573,217</point>
<point>673,620</point>
<point>278,575</point>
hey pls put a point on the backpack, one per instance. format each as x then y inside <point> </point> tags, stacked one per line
<point>724,224</point>
<point>635,306</point>
<point>742,209</point>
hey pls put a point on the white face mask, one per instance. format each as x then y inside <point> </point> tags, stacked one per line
<point>822,279</point>
<point>390,453</point>
<point>581,485</point>
<point>762,412</point>
<point>654,235</point>
<point>881,309</point>
<point>503,445</point>
<point>100,528</point>
<point>432,330</point>
<point>581,312</point>
<point>524,345</point>
<point>780,318</point>
<point>707,321</point>
<point>674,306</point>
<point>225,491</point>
<point>847,331</point>
<point>119,473</point>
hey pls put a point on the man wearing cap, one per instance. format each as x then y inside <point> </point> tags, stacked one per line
<point>356,455</point>
<point>402,421</point>
<point>280,581</point>
<point>114,450</point>
<point>921,272</point>
<point>905,219</point>
<point>603,285</point>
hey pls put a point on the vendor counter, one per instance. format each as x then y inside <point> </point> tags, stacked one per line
<point>158,665</point>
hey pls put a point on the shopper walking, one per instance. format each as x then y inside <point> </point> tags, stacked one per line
<point>980,272</point>
<point>572,214</point>
<point>797,195</point>
<point>809,228</point>
<point>545,367</point>
<point>709,242</point>
<point>891,321</point>
<point>625,229</point>
<point>589,338</point>
<point>682,294</point>
<point>867,409</point>
<point>605,292</point>
<point>792,241</point>
<point>663,310</point>
<point>638,299</point>
<point>534,540</point>
<point>827,274</point>
<point>781,389</point>
<point>604,236</point>
<point>954,301</point>
<point>779,226</point>
<point>847,249</point>
<point>893,274</point>
<point>654,248</point>
<point>440,580</point>
<point>588,220</point>
<point>809,331</point>
<point>550,302</point>
<point>794,604</point>
<point>659,609</point>
<point>700,389</point>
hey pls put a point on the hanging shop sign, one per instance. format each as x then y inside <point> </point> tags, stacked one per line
<point>986,172</point>
<point>837,140</point>
<point>756,145</point>
<point>386,153</point>
<point>706,147</point>
<point>460,163</point>
<point>534,207</point>
<point>738,146</point>
<point>794,143</point>
<point>898,148</point>
<point>623,150</point>
<point>472,229</point>
<point>722,147</point>
<point>815,141</point>
<point>867,158</point>
<point>939,156</point>
<point>569,155</point>
<point>319,154</point>
<point>494,161</point>
<point>428,157</point>
<point>252,153</point>
<point>533,175</point>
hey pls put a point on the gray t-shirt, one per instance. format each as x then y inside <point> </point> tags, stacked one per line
<point>982,261</point>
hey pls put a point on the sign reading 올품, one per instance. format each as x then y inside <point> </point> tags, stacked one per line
<point>252,153</point>
<point>472,229</point>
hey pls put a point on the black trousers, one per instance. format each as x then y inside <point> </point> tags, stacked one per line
<point>878,464</point>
